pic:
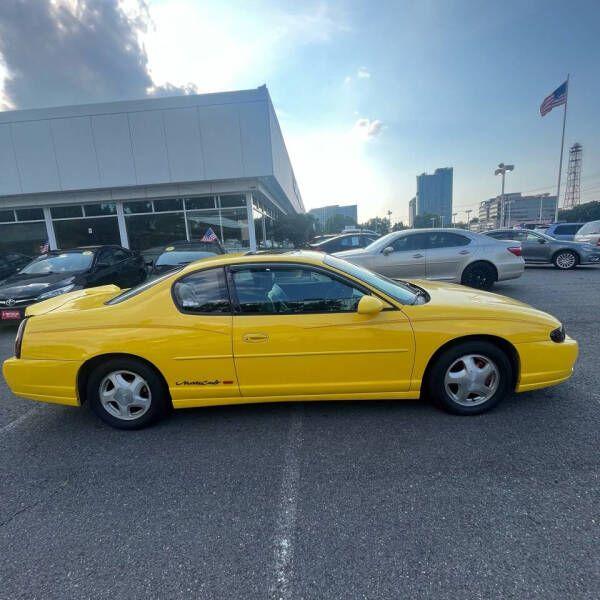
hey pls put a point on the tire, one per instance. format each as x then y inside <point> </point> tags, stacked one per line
<point>565,260</point>
<point>127,393</point>
<point>447,388</point>
<point>480,275</point>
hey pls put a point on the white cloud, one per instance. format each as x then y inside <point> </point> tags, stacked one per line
<point>365,128</point>
<point>363,73</point>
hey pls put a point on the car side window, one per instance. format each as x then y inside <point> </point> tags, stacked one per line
<point>203,292</point>
<point>350,242</point>
<point>274,289</point>
<point>120,255</point>
<point>532,237</point>
<point>404,243</point>
<point>105,258</point>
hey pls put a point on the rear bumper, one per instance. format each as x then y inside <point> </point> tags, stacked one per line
<point>510,270</point>
<point>544,364</point>
<point>53,381</point>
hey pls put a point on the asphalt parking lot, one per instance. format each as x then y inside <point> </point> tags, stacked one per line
<point>337,500</point>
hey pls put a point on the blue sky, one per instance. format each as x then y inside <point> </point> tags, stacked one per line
<point>369,94</point>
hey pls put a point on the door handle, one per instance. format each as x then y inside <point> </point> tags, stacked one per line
<point>417,256</point>
<point>464,252</point>
<point>253,338</point>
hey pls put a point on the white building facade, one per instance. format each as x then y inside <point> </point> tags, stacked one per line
<point>145,173</point>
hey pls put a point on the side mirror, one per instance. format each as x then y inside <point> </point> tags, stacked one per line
<point>541,241</point>
<point>388,250</point>
<point>369,305</point>
<point>149,263</point>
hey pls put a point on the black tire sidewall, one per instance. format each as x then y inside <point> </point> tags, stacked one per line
<point>470,273</point>
<point>435,387</point>
<point>555,260</point>
<point>158,407</point>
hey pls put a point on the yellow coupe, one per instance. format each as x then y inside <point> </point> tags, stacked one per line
<point>287,327</point>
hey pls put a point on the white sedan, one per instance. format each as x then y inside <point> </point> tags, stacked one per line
<point>444,254</point>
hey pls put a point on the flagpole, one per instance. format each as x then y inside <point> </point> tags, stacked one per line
<point>562,147</point>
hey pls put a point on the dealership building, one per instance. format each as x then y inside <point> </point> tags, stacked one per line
<point>145,173</point>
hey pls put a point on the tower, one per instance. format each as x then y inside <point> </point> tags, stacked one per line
<point>573,189</point>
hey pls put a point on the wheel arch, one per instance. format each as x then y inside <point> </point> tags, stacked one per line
<point>566,249</point>
<point>479,261</point>
<point>89,365</point>
<point>502,343</point>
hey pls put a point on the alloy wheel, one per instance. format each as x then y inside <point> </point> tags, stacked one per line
<point>472,380</point>
<point>565,260</point>
<point>125,395</point>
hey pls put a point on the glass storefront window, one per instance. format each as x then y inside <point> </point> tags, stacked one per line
<point>231,227</point>
<point>66,212</point>
<point>148,231</point>
<point>200,203</point>
<point>168,204</point>
<point>30,214</point>
<point>7,216</point>
<point>98,210</point>
<point>71,233</point>
<point>233,200</point>
<point>131,208</point>
<point>23,237</point>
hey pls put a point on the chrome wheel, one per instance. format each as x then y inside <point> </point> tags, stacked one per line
<point>472,380</point>
<point>566,260</point>
<point>125,395</point>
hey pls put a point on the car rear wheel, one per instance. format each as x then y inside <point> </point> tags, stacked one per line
<point>127,393</point>
<point>470,378</point>
<point>565,260</point>
<point>480,275</point>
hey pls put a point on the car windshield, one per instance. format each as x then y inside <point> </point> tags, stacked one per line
<point>138,289</point>
<point>395,289</point>
<point>384,240</point>
<point>66,262</point>
<point>181,257</point>
<point>591,227</point>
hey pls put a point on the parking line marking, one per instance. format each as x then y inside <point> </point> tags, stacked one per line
<point>286,517</point>
<point>16,422</point>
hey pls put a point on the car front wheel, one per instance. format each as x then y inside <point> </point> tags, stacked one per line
<point>470,378</point>
<point>127,393</point>
<point>565,260</point>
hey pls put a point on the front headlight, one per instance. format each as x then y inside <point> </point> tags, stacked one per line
<point>56,292</point>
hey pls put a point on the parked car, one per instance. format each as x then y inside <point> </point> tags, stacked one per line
<point>61,271</point>
<point>540,248</point>
<point>563,231</point>
<point>448,254</point>
<point>298,326</point>
<point>11,262</point>
<point>589,233</point>
<point>182,253</point>
<point>346,241</point>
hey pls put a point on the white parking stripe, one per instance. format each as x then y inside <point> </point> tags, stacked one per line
<point>16,422</point>
<point>286,517</point>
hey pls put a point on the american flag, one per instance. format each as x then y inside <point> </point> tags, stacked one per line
<point>209,236</point>
<point>556,98</point>
<point>45,247</point>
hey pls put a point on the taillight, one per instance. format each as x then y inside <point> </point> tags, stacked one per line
<point>516,250</point>
<point>19,338</point>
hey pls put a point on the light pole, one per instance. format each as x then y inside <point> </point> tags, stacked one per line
<point>433,221</point>
<point>501,170</point>
<point>469,211</point>
<point>453,218</point>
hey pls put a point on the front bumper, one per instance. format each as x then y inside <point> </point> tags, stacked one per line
<point>590,258</point>
<point>544,364</point>
<point>53,381</point>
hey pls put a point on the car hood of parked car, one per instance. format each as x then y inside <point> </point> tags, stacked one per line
<point>22,285</point>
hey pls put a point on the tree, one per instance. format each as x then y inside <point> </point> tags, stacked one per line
<point>590,211</point>
<point>296,229</point>
<point>399,226</point>
<point>377,224</point>
<point>336,223</point>
<point>426,220</point>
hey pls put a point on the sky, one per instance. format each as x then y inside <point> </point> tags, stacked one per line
<point>368,94</point>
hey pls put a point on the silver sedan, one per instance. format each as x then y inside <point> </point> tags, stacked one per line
<point>445,254</point>
<point>541,248</point>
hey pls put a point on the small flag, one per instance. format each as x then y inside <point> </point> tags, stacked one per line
<point>556,98</point>
<point>45,247</point>
<point>209,236</point>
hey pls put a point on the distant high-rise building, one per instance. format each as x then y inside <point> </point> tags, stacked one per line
<point>518,209</point>
<point>412,211</point>
<point>434,194</point>
<point>324,213</point>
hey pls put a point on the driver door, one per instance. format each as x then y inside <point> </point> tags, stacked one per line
<point>535,247</point>
<point>296,332</point>
<point>407,259</point>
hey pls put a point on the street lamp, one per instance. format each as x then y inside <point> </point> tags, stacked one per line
<point>501,170</point>
<point>469,211</point>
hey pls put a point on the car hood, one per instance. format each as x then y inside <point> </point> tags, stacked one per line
<point>22,285</point>
<point>77,300</point>
<point>351,253</point>
<point>458,301</point>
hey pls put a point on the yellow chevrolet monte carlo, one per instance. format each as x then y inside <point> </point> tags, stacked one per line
<point>270,328</point>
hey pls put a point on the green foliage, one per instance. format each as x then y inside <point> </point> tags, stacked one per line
<point>377,224</point>
<point>296,229</point>
<point>590,211</point>
<point>399,226</point>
